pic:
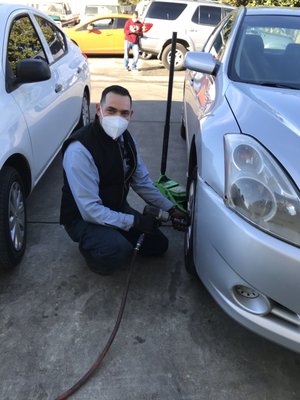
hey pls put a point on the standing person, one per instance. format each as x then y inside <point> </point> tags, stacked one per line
<point>133,30</point>
<point>101,163</point>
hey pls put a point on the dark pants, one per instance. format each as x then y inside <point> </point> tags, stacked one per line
<point>107,249</point>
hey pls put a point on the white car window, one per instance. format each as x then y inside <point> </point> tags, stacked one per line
<point>54,37</point>
<point>23,42</point>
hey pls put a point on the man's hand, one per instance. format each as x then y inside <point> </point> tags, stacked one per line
<point>145,223</point>
<point>180,220</point>
<point>133,28</point>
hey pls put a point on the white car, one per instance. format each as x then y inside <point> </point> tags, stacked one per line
<point>44,95</point>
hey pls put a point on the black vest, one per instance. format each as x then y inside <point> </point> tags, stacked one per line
<point>107,155</point>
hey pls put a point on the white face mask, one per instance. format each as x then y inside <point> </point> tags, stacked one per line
<point>114,125</point>
<point>134,20</point>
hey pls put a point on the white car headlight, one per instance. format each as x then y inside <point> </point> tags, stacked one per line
<point>257,188</point>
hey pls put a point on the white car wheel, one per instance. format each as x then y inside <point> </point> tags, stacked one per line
<point>85,111</point>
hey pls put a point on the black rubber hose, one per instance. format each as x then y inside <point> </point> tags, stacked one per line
<point>101,356</point>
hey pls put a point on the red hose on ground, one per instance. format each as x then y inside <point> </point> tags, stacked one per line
<point>101,356</point>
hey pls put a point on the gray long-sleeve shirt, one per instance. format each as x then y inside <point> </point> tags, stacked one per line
<point>83,179</point>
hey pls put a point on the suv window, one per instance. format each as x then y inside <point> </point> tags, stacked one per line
<point>53,36</point>
<point>23,42</point>
<point>206,15</point>
<point>164,10</point>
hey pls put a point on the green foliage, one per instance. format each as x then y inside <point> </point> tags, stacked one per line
<point>253,3</point>
<point>22,42</point>
<point>128,3</point>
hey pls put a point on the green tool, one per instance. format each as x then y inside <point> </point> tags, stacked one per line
<point>173,191</point>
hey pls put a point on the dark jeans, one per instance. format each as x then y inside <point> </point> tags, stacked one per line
<point>107,249</point>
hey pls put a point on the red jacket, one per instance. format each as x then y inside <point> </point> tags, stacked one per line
<point>133,31</point>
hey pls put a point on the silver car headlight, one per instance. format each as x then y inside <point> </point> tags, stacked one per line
<point>258,189</point>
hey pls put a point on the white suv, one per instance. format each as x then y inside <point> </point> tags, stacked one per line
<point>192,20</point>
<point>44,94</point>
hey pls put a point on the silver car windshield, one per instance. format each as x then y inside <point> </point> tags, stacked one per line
<point>267,51</point>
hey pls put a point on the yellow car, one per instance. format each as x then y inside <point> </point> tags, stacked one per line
<point>102,35</point>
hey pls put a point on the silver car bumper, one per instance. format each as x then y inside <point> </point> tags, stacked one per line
<point>253,276</point>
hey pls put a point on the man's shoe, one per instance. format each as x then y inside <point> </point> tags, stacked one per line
<point>127,69</point>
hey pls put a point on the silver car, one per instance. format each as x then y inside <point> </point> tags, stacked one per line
<point>241,122</point>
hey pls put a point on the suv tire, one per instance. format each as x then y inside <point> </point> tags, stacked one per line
<point>180,53</point>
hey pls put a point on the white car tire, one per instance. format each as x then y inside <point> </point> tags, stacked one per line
<point>13,231</point>
<point>85,118</point>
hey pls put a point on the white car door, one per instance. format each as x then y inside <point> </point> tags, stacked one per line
<point>70,71</point>
<point>50,114</point>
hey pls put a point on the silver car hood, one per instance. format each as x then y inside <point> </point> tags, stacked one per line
<point>272,116</point>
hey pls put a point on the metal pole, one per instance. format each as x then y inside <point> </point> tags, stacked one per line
<point>168,111</point>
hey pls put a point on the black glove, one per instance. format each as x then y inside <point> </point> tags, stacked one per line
<point>180,219</point>
<point>145,223</point>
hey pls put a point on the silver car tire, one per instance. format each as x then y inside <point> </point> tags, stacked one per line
<point>182,130</point>
<point>188,239</point>
<point>13,231</point>
<point>180,53</point>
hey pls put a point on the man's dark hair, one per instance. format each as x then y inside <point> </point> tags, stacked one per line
<point>116,89</point>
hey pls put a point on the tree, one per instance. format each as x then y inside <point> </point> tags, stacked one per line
<point>267,3</point>
<point>128,3</point>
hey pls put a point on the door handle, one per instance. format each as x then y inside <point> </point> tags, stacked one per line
<point>58,87</point>
<point>79,69</point>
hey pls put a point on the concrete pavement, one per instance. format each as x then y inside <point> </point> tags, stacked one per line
<point>174,342</point>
